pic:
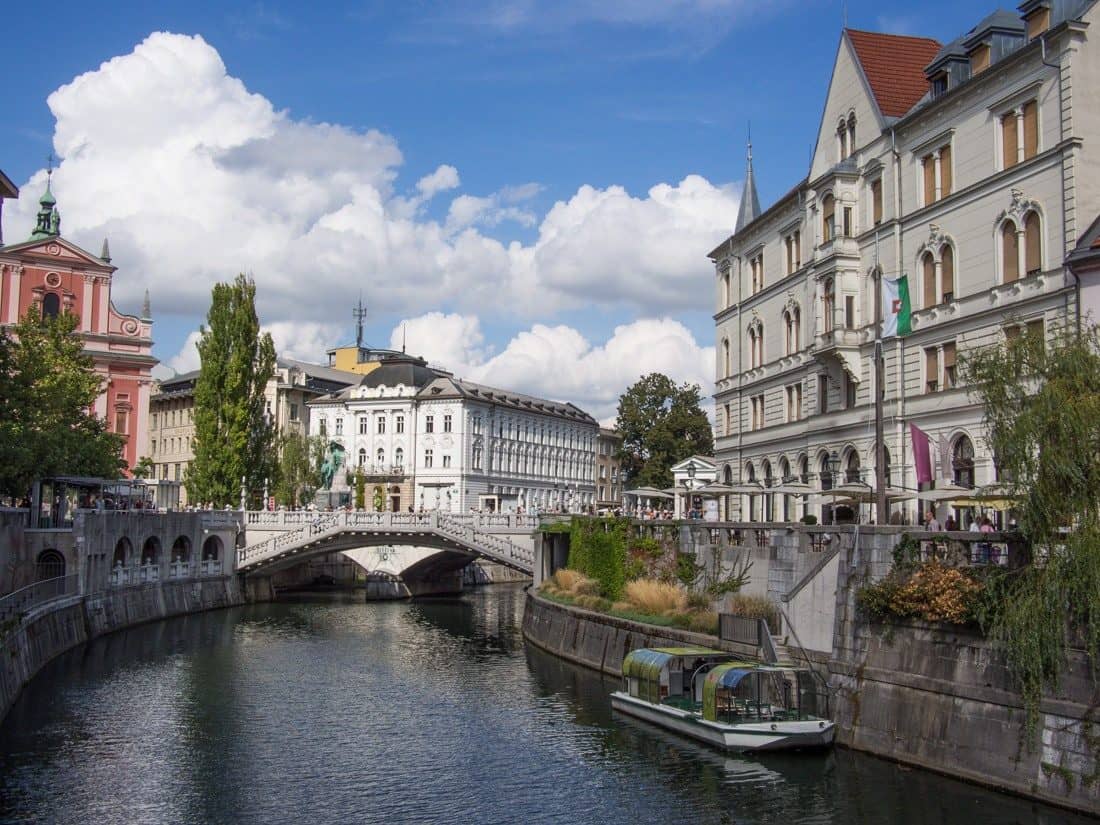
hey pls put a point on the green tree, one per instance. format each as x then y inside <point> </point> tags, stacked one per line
<point>298,475</point>
<point>233,438</point>
<point>47,387</point>
<point>1042,412</point>
<point>661,424</point>
<point>143,468</point>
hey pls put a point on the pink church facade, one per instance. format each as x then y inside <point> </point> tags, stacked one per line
<point>58,276</point>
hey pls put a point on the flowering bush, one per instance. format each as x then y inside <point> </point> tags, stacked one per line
<point>932,591</point>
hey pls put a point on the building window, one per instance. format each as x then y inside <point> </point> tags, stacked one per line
<point>446,461</point>
<point>828,211</point>
<point>322,427</point>
<point>756,268</point>
<point>380,458</point>
<point>477,458</point>
<point>756,346</point>
<point>399,458</point>
<point>153,447</point>
<point>362,456</point>
<point>1010,257</point>
<point>849,391</point>
<point>727,293</point>
<point>176,473</point>
<point>947,274</point>
<point>793,244</point>
<point>758,411</point>
<point>829,305</point>
<point>979,59</point>
<point>794,402</point>
<point>381,425</point>
<point>1033,244</point>
<point>962,462</point>
<point>429,424</point>
<point>950,378</point>
<point>931,370</point>
<point>154,421</point>
<point>792,322</point>
<point>876,201</point>
<point>364,426</point>
<point>399,424</point>
<point>928,267</point>
<point>339,426</point>
<point>729,420</point>
<point>51,305</point>
<point>850,311</point>
<point>939,85</point>
<point>122,421</point>
<point>727,369</point>
<point>428,459</point>
<point>293,412</point>
<point>847,223</point>
<point>1037,22</point>
<point>822,394</point>
<point>446,423</point>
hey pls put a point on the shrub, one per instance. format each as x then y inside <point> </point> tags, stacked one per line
<point>656,597</point>
<point>699,601</point>
<point>932,591</point>
<point>565,579</point>
<point>704,621</point>
<point>755,607</point>
<point>809,519</point>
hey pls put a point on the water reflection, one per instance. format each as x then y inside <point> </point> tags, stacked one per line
<point>332,710</point>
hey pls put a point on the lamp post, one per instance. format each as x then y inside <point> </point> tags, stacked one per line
<point>691,484</point>
<point>834,469</point>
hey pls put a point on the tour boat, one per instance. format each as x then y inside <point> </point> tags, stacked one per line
<point>712,696</point>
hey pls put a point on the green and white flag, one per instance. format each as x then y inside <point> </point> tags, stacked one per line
<point>895,307</point>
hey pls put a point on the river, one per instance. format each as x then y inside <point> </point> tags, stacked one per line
<point>329,710</point>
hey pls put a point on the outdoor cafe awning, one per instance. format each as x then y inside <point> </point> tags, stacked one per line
<point>864,494</point>
<point>647,492</point>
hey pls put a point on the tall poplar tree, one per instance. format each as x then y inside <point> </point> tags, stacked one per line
<point>233,439</point>
<point>661,424</point>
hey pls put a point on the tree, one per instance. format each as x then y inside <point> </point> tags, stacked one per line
<point>661,424</point>
<point>47,389</point>
<point>143,468</point>
<point>233,437</point>
<point>1041,402</point>
<point>298,474</point>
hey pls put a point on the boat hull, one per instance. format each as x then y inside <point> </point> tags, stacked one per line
<point>748,737</point>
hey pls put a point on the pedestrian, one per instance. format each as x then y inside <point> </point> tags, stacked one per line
<point>931,523</point>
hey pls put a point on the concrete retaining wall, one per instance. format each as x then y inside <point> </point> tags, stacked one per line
<point>602,642</point>
<point>53,628</point>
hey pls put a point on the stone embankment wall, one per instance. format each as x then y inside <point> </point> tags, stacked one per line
<point>51,629</point>
<point>602,642</point>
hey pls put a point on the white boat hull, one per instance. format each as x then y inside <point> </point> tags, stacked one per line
<point>748,736</point>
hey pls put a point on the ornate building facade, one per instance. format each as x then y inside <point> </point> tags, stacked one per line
<point>55,275</point>
<point>971,168</point>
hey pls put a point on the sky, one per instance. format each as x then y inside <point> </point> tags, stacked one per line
<point>523,191</point>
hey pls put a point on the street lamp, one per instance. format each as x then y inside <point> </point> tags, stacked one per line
<point>691,485</point>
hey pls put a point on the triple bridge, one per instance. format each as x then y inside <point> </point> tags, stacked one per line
<point>426,551</point>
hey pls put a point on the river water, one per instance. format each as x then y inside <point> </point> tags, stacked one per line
<point>334,711</point>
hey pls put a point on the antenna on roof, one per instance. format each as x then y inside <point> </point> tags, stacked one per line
<point>360,313</point>
<point>402,337</point>
<point>845,6</point>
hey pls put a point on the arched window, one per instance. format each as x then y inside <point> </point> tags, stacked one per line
<point>181,549</point>
<point>150,551</point>
<point>399,457</point>
<point>381,456</point>
<point>212,549</point>
<point>726,367</point>
<point>362,456</point>
<point>928,276</point>
<point>842,140</point>
<point>962,462</point>
<point>829,304</point>
<point>727,294</point>
<point>784,477</point>
<point>851,134</point>
<point>1033,244</point>
<point>51,305</point>
<point>1010,253</point>
<point>49,565</point>
<point>750,477</point>
<point>825,473</point>
<point>804,470</point>
<point>727,475</point>
<point>791,321</point>
<point>947,274</point>
<point>851,469</point>
<point>828,210</point>
<point>123,551</point>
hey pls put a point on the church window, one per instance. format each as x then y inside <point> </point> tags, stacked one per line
<point>51,305</point>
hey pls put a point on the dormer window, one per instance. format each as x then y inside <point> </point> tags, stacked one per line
<point>939,84</point>
<point>979,58</point>
<point>1038,21</point>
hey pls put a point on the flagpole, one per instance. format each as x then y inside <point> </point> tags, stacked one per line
<point>881,515</point>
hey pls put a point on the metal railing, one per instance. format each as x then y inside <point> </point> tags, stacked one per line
<point>20,601</point>
<point>296,518</point>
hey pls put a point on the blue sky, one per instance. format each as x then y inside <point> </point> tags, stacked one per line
<point>529,104</point>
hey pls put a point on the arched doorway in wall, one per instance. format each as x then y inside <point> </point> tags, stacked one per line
<point>395,498</point>
<point>50,564</point>
<point>212,549</point>
<point>181,550</point>
<point>962,461</point>
<point>852,468</point>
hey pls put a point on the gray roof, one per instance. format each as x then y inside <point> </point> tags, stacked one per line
<point>7,188</point>
<point>1087,250</point>
<point>749,209</point>
<point>320,374</point>
<point>409,373</point>
<point>449,387</point>
<point>1000,20</point>
<point>953,50</point>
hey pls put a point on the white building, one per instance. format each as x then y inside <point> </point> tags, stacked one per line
<point>430,441</point>
<point>972,168</point>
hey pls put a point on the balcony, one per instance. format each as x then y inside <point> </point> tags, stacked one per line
<point>840,346</point>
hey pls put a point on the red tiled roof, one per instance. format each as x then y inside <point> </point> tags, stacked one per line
<point>894,65</point>
<point>1096,243</point>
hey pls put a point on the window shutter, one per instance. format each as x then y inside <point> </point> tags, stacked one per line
<point>1031,129</point>
<point>947,273</point>
<point>1011,244</point>
<point>929,282</point>
<point>1008,135</point>
<point>931,369</point>
<point>929,168</point>
<point>876,201</point>
<point>1033,245</point>
<point>945,171</point>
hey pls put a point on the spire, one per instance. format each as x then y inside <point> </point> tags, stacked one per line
<point>749,210</point>
<point>105,256</point>
<point>48,222</point>
<point>146,310</point>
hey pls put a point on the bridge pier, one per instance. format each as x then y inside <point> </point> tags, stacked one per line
<point>258,588</point>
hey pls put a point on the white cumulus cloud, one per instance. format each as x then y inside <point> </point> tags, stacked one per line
<point>194,178</point>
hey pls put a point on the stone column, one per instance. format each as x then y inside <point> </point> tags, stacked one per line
<point>1019,111</point>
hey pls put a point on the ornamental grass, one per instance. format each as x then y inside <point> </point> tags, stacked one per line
<point>655,597</point>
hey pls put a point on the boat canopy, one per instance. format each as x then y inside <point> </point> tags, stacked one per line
<point>723,677</point>
<point>647,662</point>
